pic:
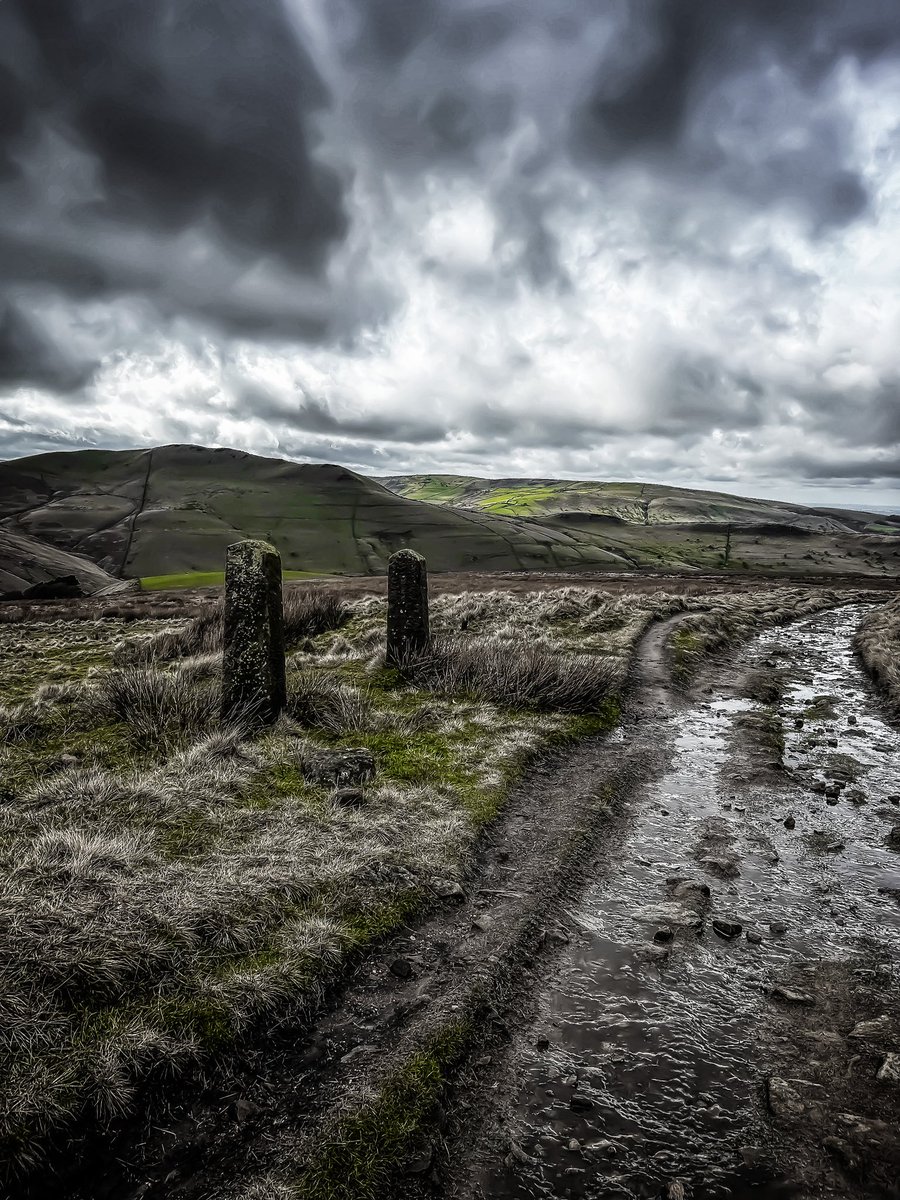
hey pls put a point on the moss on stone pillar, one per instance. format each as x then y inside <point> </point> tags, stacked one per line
<point>407,617</point>
<point>253,679</point>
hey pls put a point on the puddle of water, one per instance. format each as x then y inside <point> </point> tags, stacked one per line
<point>651,1072</point>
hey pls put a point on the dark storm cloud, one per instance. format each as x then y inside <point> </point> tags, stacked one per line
<point>857,470</point>
<point>668,99</point>
<point>27,355</point>
<point>175,120</point>
<point>191,109</point>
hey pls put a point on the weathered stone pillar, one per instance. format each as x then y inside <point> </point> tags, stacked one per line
<point>253,682</point>
<point>407,616</point>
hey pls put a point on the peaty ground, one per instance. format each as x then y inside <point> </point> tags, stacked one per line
<point>182,902</point>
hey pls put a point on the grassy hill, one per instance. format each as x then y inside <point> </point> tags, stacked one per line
<point>166,515</point>
<point>172,511</point>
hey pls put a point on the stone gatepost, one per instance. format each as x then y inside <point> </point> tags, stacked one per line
<point>253,681</point>
<point>407,615</point>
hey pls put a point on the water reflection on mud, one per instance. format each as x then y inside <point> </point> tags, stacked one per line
<point>643,1070</point>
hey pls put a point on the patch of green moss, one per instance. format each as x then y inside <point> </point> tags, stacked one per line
<point>362,929</point>
<point>419,758</point>
<point>106,746</point>
<point>685,646</point>
<point>363,1155</point>
<point>594,724</point>
<point>200,1017</point>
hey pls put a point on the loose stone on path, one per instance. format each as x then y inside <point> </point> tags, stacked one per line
<point>253,675</point>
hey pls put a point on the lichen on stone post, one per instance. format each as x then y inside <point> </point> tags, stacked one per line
<point>407,615</point>
<point>253,679</point>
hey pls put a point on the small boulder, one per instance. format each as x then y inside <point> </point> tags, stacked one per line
<point>873,1030</point>
<point>791,996</point>
<point>339,768</point>
<point>789,823</point>
<point>889,1071</point>
<point>784,1102</point>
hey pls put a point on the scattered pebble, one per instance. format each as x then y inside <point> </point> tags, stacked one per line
<point>727,929</point>
<point>889,1071</point>
<point>789,823</point>
<point>792,997</point>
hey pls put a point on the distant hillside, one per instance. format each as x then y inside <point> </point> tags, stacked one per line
<point>678,529</point>
<point>171,512</point>
<point>25,561</point>
<point>634,503</point>
<point>174,509</point>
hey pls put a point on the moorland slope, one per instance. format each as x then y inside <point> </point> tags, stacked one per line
<point>174,509</point>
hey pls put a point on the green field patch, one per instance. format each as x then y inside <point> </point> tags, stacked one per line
<point>194,579</point>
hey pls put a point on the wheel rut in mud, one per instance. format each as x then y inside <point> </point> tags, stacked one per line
<point>482,952</point>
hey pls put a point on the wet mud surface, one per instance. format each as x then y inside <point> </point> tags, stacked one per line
<point>724,1018</point>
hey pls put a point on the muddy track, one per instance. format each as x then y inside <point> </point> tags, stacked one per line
<point>481,953</point>
<point>726,1017</point>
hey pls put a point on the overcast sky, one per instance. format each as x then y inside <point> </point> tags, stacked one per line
<point>622,239</point>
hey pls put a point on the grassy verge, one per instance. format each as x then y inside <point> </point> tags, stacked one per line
<point>877,643</point>
<point>367,1147</point>
<point>169,885</point>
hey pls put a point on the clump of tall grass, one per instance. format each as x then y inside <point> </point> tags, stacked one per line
<point>157,706</point>
<point>306,614</point>
<point>319,701</point>
<point>877,642</point>
<point>526,677</point>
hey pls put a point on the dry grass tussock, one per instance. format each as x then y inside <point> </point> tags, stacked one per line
<point>306,614</point>
<point>166,884</point>
<point>520,678</point>
<point>877,643</point>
